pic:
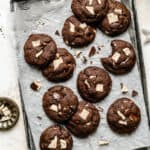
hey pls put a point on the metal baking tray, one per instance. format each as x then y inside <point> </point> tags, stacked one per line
<point>35,16</point>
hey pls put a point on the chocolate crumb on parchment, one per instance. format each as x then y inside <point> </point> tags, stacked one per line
<point>57,33</point>
<point>35,85</point>
<point>134,93</point>
<point>92,51</point>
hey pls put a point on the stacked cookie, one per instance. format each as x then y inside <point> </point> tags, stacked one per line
<point>93,83</point>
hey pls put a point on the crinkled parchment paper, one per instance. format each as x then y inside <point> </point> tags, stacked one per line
<point>47,17</point>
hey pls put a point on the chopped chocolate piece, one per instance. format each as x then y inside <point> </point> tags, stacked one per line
<point>134,93</point>
<point>92,51</point>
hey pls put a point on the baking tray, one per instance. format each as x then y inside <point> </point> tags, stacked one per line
<point>40,16</point>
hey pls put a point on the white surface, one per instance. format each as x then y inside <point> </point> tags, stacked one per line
<point>13,139</point>
<point>143,8</point>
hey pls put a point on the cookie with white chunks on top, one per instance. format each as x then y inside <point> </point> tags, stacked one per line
<point>85,121</point>
<point>123,116</point>
<point>39,50</point>
<point>76,33</point>
<point>122,59</point>
<point>56,138</point>
<point>60,103</point>
<point>94,84</point>
<point>89,11</point>
<point>61,68</point>
<point>117,20</point>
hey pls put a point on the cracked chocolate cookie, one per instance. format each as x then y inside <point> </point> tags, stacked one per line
<point>60,103</point>
<point>76,33</point>
<point>122,59</point>
<point>85,121</point>
<point>9,113</point>
<point>39,50</point>
<point>89,11</point>
<point>62,67</point>
<point>94,84</point>
<point>56,138</point>
<point>117,20</point>
<point>123,116</point>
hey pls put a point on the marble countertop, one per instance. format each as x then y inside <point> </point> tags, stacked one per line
<point>15,139</point>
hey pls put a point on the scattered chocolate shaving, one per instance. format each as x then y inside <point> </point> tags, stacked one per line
<point>78,53</point>
<point>84,60</point>
<point>35,85</point>
<point>124,89</point>
<point>92,51</point>
<point>57,33</point>
<point>134,93</point>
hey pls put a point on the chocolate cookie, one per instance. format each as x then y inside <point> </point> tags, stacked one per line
<point>60,103</point>
<point>62,67</point>
<point>117,19</point>
<point>122,59</point>
<point>89,10</point>
<point>94,84</point>
<point>123,116</point>
<point>85,121</point>
<point>76,33</point>
<point>39,50</point>
<point>56,138</point>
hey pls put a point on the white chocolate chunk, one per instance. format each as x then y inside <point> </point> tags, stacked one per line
<point>116,56</point>
<point>7,112</point>
<point>90,9</point>
<point>53,143</point>
<point>54,107</point>
<point>118,11</point>
<point>124,89</point>
<point>57,55</point>
<point>1,107</point>
<point>57,62</point>
<point>87,83</point>
<point>99,87</point>
<point>59,106</point>
<point>84,114</point>
<point>122,122</point>
<point>63,144</point>
<point>56,95</point>
<point>72,27</point>
<point>121,115</point>
<point>112,18</point>
<point>91,77</point>
<point>99,1</point>
<point>103,142</point>
<point>127,51</point>
<point>83,25</point>
<point>39,53</point>
<point>36,43</point>
<point>78,53</point>
<point>90,2</point>
<point>89,123</point>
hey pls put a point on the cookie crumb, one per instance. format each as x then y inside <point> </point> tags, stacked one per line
<point>57,33</point>
<point>124,89</point>
<point>35,85</point>
<point>134,93</point>
<point>103,142</point>
<point>92,51</point>
<point>91,62</point>
<point>78,53</point>
<point>84,60</point>
<point>39,117</point>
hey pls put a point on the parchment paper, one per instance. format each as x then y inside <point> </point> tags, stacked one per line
<point>44,17</point>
